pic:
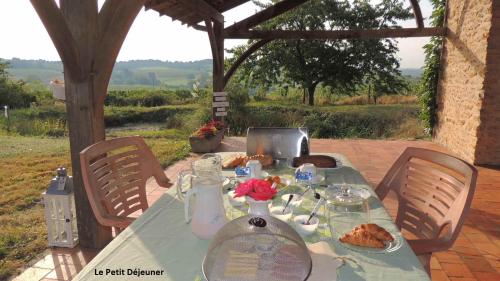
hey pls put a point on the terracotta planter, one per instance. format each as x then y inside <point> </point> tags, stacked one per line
<point>199,145</point>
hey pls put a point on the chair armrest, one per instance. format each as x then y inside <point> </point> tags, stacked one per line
<point>115,221</point>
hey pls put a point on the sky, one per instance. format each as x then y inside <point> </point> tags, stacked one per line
<point>151,36</point>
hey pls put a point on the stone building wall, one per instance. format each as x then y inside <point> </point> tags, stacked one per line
<point>488,146</point>
<point>465,103</point>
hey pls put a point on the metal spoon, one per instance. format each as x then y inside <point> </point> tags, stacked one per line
<point>305,191</point>
<point>288,202</point>
<point>315,209</point>
<point>316,194</point>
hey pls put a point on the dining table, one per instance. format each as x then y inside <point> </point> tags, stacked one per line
<point>159,244</point>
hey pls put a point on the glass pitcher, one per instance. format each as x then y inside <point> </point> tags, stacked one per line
<point>202,184</point>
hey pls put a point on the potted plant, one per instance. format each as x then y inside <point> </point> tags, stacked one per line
<point>207,138</point>
<point>258,194</point>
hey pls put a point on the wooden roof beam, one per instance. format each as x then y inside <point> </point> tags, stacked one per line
<point>191,18</point>
<point>157,4</point>
<point>338,34</point>
<point>213,41</point>
<point>264,15</point>
<point>199,27</point>
<point>228,5</point>
<point>204,9</point>
<point>418,13</point>
<point>174,11</point>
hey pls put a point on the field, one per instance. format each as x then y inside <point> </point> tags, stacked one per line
<point>28,164</point>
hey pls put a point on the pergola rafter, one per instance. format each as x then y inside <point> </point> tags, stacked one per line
<point>338,34</point>
<point>254,47</point>
<point>88,43</point>
<point>262,16</point>
<point>418,13</point>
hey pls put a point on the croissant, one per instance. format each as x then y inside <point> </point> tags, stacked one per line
<point>233,162</point>
<point>362,238</point>
<point>379,232</point>
<point>265,160</point>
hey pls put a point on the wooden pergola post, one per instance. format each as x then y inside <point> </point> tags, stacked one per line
<point>215,30</point>
<point>88,42</point>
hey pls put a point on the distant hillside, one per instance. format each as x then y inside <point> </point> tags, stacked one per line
<point>413,72</point>
<point>136,73</point>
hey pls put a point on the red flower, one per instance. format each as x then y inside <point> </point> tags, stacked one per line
<point>216,124</point>
<point>243,189</point>
<point>260,190</point>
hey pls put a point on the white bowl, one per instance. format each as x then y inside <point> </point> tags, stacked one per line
<point>278,213</point>
<point>238,201</point>
<point>296,200</point>
<point>305,229</point>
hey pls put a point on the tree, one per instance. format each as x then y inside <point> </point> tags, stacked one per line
<point>13,93</point>
<point>384,83</point>
<point>342,64</point>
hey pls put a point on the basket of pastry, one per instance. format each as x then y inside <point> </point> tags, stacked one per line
<point>234,161</point>
<point>278,182</point>
<point>370,237</point>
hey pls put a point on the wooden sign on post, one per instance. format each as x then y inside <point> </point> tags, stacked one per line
<point>219,104</point>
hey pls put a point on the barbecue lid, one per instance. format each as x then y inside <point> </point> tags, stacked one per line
<point>257,248</point>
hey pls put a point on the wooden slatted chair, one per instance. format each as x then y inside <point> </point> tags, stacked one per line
<point>434,192</point>
<point>114,174</point>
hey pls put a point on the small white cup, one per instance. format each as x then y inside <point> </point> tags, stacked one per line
<point>305,229</point>
<point>278,213</point>
<point>296,200</point>
<point>255,168</point>
<point>308,167</point>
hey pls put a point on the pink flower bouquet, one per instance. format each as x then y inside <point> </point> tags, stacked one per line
<point>257,189</point>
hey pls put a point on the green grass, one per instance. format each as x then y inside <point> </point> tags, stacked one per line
<point>51,120</point>
<point>15,145</point>
<point>27,165</point>
<point>367,108</point>
<point>345,121</point>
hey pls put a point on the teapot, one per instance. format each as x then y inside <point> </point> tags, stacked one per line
<point>205,189</point>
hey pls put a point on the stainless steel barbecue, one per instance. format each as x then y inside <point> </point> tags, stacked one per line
<point>278,142</point>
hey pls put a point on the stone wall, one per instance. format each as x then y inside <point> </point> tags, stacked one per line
<point>488,146</point>
<point>467,116</point>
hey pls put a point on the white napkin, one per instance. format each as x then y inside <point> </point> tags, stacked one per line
<point>325,262</point>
